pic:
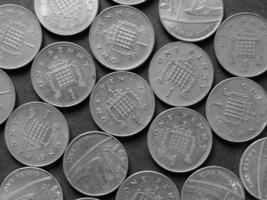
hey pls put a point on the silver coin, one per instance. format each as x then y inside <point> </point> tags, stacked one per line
<point>179,140</point>
<point>122,103</point>
<point>240,44</point>
<point>36,134</point>
<point>63,74</point>
<point>129,2</point>
<point>7,96</point>
<point>20,36</point>
<point>148,185</point>
<point>95,163</point>
<point>30,183</point>
<point>122,37</point>
<point>237,109</point>
<point>191,20</point>
<point>181,74</point>
<point>213,183</point>
<point>66,17</point>
<point>253,169</point>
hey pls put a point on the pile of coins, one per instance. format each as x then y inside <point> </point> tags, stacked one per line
<point>122,103</point>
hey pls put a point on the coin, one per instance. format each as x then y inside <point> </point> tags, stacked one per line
<point>20,36</point>
<point>95,163</point>
<point>7,96</point>
<point>30,183</point>
<point>213,183</point>
<point>87,198</point>
<point>66,17</point>
<point>253,169</point>
<point>129,2</point>
<point>191,20</point>
<point>181,74</point>
<point>239,45</point>
<point>63,74</point>
<point>148,185</point>
<point>236,109</point>
<point>36,134</point>
<point>122,37</point>
<point>179,140</point>
<point>122,103</point>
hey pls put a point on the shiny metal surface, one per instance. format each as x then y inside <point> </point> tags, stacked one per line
<point>63,74</point>
<point>95,163</point>
<point>36,134</point>
<point>129,2</point>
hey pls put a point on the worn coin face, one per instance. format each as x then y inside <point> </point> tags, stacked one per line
<point>129,2</point>
<point>253,169</point>
<point>179,139</point>
<point>191,20</point>
<point>240,45</point>
<point>63,74</point>
<point>95,163</point>
<point>66,17</point>
<point>36,134</point>
<point>213,183</point>
<point>7,96</point>
<point>236,109</point>
<point>122,103</point>
<point>148,185</point>
<point>122,37</point>
<point>20,36</point>
<point>30,183</point>
<point>181,74</point>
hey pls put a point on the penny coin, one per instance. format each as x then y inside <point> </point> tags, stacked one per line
<point>240,45</point>
<point>179,140</point>
<point>181,74</point>
<point>36,134</point>
<point>213,183</point>
<point>253,169</point>
<point>122,37</point>
<point>122,103</point>
<point>20,36</point>
<point>95,163</point>
<point>191,20</point>
<point>66,17</point>
<point>63,74</point>
<point>30,183</point>
<point>7,96</point>
<point>236,109</point>
<point>148,185</point>
<point>129,2</point>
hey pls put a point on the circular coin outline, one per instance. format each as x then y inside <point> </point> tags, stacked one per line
<point>130,4</point>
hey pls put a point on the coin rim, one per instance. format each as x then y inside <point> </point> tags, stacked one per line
<point>130,4</point>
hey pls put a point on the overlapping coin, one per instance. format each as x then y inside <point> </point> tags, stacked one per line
<point>95,163</point>
<point>181,74</point>
<point>179,139</point>
<point>36,134</point>
<point>87,198</point>
<point>63,74</point>
<point>20,36</point>
<point>122,37</point>
<point>240,44</point>
<point>129,2</point>
<point>236,109</point>
<point>30,183</point>
<point>148,185</point>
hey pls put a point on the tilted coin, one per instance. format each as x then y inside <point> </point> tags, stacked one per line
<point>36,134</point>
<point>148,185</point>
<point>213,183</point>
<point>63,74</point>
<point>236,109</point>
<point>191,20</point>
<point>30,183</point>
<point>7,96</point>
<point>122,103</point>
<point>179,139</point>
<point>122,37</point>
<point>181,74</point>
<point>240,44</point>
<point>66,17</point>
<point>253,169</point>
<point>20,36</point>
<point>129,2</point>
<point>95,163</point>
